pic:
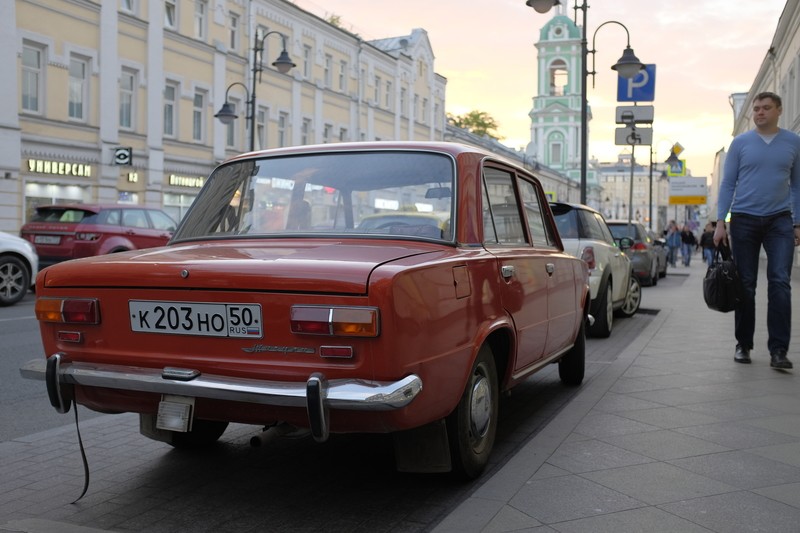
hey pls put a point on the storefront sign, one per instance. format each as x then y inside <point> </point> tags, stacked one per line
<point>62,168</point>
<point>185,181</point>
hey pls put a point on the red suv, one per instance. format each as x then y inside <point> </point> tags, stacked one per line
<point>70,231</point>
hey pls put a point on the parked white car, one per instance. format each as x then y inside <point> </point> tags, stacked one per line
<point>613,287</point>
<point>19,265</point>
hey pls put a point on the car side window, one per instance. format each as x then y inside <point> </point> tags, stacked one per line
<point>541,232</point>
<point>134,218</point>
<point>607,236</point>
<point>161,221</point>
<point>109,217</point>
<point>502,222</point>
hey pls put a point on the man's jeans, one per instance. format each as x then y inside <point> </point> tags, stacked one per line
<point>747,235</point>
<point>708,255</point>
<point>686,252</point>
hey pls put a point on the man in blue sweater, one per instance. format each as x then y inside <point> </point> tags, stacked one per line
<point>761,189</point>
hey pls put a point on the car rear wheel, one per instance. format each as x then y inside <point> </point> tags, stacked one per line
<point>472,426</point>
<point>14,280</point>
<point>604,320</point>
<point>572,366</point>
<point>654,272</point>
<point>632,300</point>
<point>204,433</point>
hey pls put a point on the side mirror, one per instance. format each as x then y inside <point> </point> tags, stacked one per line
<point>625,243</point>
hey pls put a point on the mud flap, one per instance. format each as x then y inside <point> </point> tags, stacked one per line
<point>423,450</point>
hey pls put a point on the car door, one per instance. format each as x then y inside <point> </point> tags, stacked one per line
<point>620,265</point>
<point>522,273</point>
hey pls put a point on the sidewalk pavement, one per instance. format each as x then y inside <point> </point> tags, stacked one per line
<point>671,436</point>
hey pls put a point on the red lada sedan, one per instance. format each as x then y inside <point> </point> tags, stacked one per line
<point>277,304</point>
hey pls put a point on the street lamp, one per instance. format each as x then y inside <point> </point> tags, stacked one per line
<point>283,64</point>
<point>627,67</point>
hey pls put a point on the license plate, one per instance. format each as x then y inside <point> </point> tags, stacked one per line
<point>196,318</point>
<point>46,239</point>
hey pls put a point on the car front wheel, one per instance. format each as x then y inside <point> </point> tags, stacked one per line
<point>472,426</point>
<point>632,300</point>
<point>14,280</point>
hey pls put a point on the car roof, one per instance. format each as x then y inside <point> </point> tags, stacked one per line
<point>95,208</point>
<point>572,205</point>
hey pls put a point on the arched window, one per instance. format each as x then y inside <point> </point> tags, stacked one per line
<point>559,78</point>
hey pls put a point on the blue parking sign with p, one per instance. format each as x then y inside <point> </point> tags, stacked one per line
<point>640,88</point>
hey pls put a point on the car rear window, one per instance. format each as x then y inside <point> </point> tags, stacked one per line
<point>566,221</point>
<point>625,230</point>
<point>55,214</point>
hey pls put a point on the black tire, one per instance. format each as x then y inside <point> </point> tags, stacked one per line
<point>633,300</point>
<point>572,366</point>
<point>14,280</point>
<point>472,426</point>
<point>204,433</point>
<point>604,313</point>
<point>654,273</point>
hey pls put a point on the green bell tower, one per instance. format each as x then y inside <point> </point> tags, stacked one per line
<point>556,114</point>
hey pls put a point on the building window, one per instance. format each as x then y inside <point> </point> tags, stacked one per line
<point>555,154</point>
<point>283,129</point>
<point>305,133</point>
<point>307,57</point>
<point>559,78</point>
<point>343,76</point>
<point>170,109</point>
<point>403,98</point>
<point>198,116</point>
<point>328,73</point>
<point>233,20</point>
<point>78,88</point>
<point>230,136</point>
<point>342,134</point>
<point>31,78</point>
<point>376,97</point>
<point>171,14</point>
<point>388,103</point>
<point>200,18</point>
<point>261,128</point>
<point>424,111</point>
<point>127,99</point>
<point>415,109</point>
<point>327,130</point>
<point>128,5</point>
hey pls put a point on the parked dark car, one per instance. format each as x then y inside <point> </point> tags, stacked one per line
<point>69,231</point>
<point>282,310</point>
<point>643,253</point>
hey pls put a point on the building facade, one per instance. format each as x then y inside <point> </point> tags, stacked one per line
<point>115,99</point>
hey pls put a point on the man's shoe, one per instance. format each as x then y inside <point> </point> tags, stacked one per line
<point>742,355</point>
<point>778,360</point>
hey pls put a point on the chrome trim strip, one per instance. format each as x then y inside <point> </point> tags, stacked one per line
<point>352,394</point>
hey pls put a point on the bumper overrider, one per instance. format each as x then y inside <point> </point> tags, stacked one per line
<point>317,394</point>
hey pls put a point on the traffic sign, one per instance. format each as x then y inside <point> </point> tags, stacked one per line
<point>633,135</point>
<point>123,155</point>
<point>677,168</point>
<point>687,191</point>
<point>635,114</point>
<point>640,88</point>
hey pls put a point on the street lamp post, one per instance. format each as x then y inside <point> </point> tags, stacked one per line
<point>627,67</point>
<point>283,64</point>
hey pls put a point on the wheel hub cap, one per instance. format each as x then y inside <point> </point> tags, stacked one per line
<point>480,407</point>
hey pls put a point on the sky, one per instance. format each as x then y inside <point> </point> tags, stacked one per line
<point>704,50</point>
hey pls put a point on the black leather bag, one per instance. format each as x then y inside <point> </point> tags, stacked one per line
<point>721,286</point>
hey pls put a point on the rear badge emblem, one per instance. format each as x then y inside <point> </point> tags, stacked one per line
<point>258,348</point>
<point>184,274</point>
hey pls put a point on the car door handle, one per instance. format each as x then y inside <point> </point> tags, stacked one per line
<point>507,271</point>
<point>550,267</point>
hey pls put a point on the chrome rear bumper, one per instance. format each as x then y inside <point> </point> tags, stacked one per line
<point>317,394</point>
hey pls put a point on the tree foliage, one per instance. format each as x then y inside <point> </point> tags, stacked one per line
<point>477,122</point>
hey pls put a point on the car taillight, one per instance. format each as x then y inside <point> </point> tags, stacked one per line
<point>85,236</point>
<point>335,321</point>
<point>68,310</point>
<point>588,257</point>
<point>639,246</point>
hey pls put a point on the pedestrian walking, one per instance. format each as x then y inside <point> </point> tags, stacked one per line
<point>688,244</point>
<point>707,242</point>
<point>673,243</point>
<point>761,189</point>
